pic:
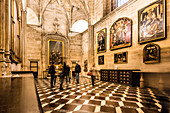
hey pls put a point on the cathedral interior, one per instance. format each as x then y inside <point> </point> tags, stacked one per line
<point>126,44</point>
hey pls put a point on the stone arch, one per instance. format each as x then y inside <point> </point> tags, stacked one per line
<point>32,18</point>
<point>77,14</point>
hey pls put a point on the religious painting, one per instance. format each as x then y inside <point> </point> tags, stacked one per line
<point>151,22</point>
<point>151,53</point>
<point>101,60</point>
<point>121,33</point>
<point>55,52</point>
<point>120,58</point>
<point>85,65</point>
<point>101,40</point>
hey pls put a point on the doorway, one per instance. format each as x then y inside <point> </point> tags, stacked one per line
<point>34,68</point>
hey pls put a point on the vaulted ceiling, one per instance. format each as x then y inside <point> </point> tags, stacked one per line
<point>57,16</point>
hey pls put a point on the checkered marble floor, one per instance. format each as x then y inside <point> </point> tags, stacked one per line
<point>103,97</point>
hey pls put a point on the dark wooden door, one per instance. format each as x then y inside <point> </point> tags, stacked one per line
<point>34,68</point>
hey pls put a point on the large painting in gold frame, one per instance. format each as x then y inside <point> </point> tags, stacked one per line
<point>55,52</point>
<point>101,40</point>
<point>151,22</point>
<point>121,33</point>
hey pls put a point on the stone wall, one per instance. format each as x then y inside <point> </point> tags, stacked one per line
<point>135,52</point>
<point>75,46</point>
<point>84,50</point>
<point>98,10</point>
<point>33,46</point>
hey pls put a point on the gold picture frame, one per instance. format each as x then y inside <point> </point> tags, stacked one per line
<point>121,33</point>
<point>151,53</point>
<point>151,22</point>
<point>55,52</point>
<point>101,60</point>
<point>120,58</point>
<point>101,37</point>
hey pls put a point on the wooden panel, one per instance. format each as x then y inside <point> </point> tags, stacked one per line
<point>120,76</point>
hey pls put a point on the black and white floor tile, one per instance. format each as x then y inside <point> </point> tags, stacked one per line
<point>104,97</point>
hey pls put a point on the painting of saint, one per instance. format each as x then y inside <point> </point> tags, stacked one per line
<point>101,41</point>
<point>121,33</point>
<point>55,52</point>
<point>151,24</point>
<point>151,53</point>
<point>101,60</point>
<point>120,58</point>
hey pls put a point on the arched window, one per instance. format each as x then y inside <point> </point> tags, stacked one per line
<point>79,26</point>
<point>121,2</point>
<point>117,3</point>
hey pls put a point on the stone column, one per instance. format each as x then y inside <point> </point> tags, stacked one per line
<point>23,40</point>
<point>7,36</point>
<point>90,45</point>
<point>90,34</point>
<point>2,40</point>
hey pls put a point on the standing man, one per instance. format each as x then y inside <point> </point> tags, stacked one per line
<point>77,71</point>
<point>62,75</point>
<point>93,73</point>
<point>52,72</point>
<point>68,73</point>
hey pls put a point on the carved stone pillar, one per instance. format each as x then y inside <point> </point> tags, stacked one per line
<point>2,38</point>
<point>90,45</point>
<point>23,40</point>
<point>7,36</point>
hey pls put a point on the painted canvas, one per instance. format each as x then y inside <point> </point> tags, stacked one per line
<point>55,52</point>
<point>120,58</point>
<point>151,22</point>
<point>121,33</point>
<point>151,53</point>
<point>101,40</point>
<point>101,60</point>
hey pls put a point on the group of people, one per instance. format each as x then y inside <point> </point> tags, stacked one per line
<point>64,72</point>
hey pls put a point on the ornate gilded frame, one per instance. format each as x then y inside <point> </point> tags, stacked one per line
<point>62,56</point>
<point>100,46</point>
<point>121,33</point>
<point>152,22</point>
<point>120,58</point>
<point>151,53</point>
<point>101,60</point>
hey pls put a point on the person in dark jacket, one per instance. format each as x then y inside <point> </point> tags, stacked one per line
<point>77,71</point>
<point>64,73</point>
<point>52,72</point>
<point>68,73</point>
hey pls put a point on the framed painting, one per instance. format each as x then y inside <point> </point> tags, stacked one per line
<point>55,52</point>
<point>151,53</point>
<point>101,60</point>
<point>151,22</point>
<point>101,40</point>
<point>121,33</point>
<point>120,58</point>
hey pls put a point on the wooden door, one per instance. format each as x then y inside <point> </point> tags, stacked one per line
<point>34,68</point>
